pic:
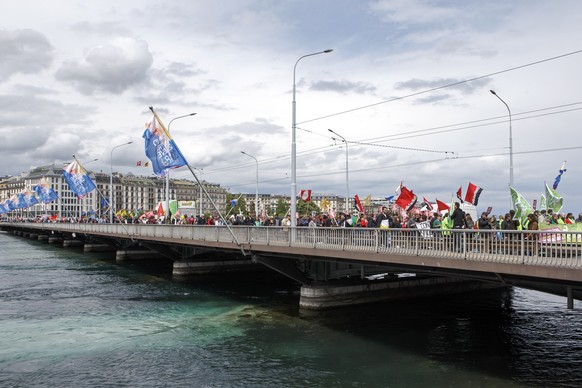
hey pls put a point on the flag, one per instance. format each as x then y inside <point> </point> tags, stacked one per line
<point>520,205</point>
<point>442,206</point>
<point>428,204</point>
<point>460,194</point>
<point>160,148</point>
<point>78,180</point>
<point>472,194</point>
<point>324,204</point>
<point>305,195</point>
<point>553,200</point>
<point>368,200</point>
<point>232,202</point>
<point>44,191</point>
<point>4,207</point>
<point>559,177</point>
<point>104,202</point>
<point>407,199</point>
<point>397,191</point>
<point>26,199</point>
<point>161,211</point>
<point>358,204</point>
<point>390,198</point>
<point>543,203</point>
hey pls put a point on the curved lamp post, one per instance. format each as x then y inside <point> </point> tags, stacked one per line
<point>111,181</point>
<point>510,140</point>
<point>257,188</point>
<point>168,172</point>
<point>293,210</point>
<point>347,172</point>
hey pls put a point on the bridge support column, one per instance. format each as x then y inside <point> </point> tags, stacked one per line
<point>329,295</point>
<point>43,237</point>
<point>53,240</point>
<point>570,296</point>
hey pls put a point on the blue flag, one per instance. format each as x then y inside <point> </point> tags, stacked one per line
<point>4,207</point>
<point>160,148</point>
<point>44,191</point>
<point>26,199</point>
<point>232,202</point>
<point>104,202</point>
<point>78,180</point>
<point>559,177</point>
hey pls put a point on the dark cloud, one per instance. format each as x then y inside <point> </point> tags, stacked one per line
<point>21,111</point>
<point>343,87</point>
<point>23,51</point>
<point>111,68</point>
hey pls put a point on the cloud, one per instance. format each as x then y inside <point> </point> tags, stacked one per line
<point>343,87</point>
<point>111,68</point>
<point>23,51</point>
<point>416,84</point>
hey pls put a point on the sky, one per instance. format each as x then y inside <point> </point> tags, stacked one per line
<point>407,85</point>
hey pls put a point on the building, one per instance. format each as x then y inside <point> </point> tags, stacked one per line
<point>125,192</point>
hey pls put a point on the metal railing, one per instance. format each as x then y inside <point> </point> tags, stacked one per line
<point>546,248</point>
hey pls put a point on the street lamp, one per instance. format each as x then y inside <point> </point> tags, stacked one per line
<point>293,144</point>
<point>347,172</point>
<point>111,181</point>
<point>510,140</point>
<point>257,188</point>
<point>168,172</point>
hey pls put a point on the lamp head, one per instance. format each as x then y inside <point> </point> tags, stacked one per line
<point>328,51</point>
<point>493,92</point>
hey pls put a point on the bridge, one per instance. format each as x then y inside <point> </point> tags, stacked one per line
<point>339,266</point>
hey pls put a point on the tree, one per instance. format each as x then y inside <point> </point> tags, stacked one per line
<point>239,208</point>
<point>282,207</point>
<point>306,208</point>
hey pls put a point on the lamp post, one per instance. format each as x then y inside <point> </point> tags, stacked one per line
<point>168,172</point>
<point>111,181</point>
<point>293,210</point>
<point>257,188</point>
<point>347,172</point>
<point>510,140</point>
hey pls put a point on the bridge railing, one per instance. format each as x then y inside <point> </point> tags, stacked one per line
<point>545,247</point>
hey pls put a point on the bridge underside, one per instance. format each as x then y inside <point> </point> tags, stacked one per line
<point>325,281</point>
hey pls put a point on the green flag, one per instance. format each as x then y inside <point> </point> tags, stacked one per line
<point>543,203</point>
<point>553,200</point>
<point>520,205</point>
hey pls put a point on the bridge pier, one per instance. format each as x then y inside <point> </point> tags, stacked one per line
<point>570,296</point>
<point>72,243</point>
<point>205,266</point>
<point>98,248</point>
<point>328,295</point>
<point>43,237</point>
<point>123,255</point>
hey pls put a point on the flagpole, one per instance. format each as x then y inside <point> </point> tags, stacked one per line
<point>218,211</point>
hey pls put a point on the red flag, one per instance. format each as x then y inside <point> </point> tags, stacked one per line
<point>161,210</point>
<point>305,195</point>
<point>442,206</point>
<point>407,199</point>
<point>460,194</point>
<point>358,204</point>
<point>428,204</point>
<point>472,194</point>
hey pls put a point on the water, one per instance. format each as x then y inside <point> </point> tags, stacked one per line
<point>69,319</point>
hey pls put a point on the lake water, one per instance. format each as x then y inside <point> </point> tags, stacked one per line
<point>69,319</point>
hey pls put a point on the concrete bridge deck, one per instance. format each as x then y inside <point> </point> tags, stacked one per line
<point>542,260</point>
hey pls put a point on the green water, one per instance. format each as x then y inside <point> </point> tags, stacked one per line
<point>69,319</point>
